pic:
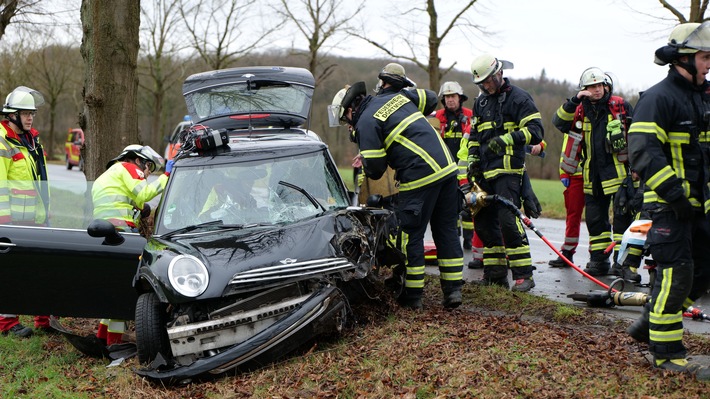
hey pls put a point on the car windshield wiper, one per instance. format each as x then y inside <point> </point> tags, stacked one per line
<point>305,193</point>
<point>192,227</point>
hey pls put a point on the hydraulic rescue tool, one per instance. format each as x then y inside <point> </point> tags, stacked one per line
<point>609,297</point>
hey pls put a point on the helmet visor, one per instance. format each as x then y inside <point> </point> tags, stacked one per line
<point>699,39</point>
<point>334,115</point>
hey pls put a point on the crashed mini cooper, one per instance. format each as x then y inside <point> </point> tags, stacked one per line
<point>255,249</point>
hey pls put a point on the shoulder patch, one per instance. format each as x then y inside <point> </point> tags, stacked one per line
<point>390,107</point>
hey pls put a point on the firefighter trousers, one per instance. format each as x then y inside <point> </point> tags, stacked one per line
<point>438,204</point>
<point>682,276</point>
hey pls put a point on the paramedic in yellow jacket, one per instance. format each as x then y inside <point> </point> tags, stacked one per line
<point>119,195</point>
<point>24,193</point>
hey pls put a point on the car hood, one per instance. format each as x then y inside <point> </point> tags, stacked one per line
<point>258,257</point>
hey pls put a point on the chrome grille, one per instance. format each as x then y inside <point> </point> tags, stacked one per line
<point>293,270</point>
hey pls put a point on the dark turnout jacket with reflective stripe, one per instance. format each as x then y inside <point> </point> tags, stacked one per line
<point>391,129</point>
<point>669,145</point>
<point>598,164</point>
<point>513,111</point>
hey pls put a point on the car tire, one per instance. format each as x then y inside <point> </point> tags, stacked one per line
<point>69,165</point>
<point>151,335</point>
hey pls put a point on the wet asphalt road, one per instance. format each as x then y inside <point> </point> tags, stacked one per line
<point>557,283</point>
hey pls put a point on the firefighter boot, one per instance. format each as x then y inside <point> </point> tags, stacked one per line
<point>411,300</point>
<point>702,373</point>
<point>629,273</point>
<point>523,284</point>
<point>597,268</point>
<point>638,330</point>
<point>559,262</point>
<point>475,264</point>
<point>19,330</point>
<point>452,294</point>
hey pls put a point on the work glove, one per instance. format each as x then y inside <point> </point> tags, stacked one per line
<point>531,205</point>
<point>565,181</point>
<point>474,172</point>
<point>169,167</point>
<point>615,139</point>
<point>498,144</point>
<point>682,208</point>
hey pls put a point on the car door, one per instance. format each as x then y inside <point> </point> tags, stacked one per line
<point>65,272</point>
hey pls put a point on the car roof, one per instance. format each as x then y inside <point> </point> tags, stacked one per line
<point>251,148</point>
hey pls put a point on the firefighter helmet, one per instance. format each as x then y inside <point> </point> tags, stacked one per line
<point>687,38</point>
<point>154,161</point>
<point>22,98</point>
<point>592,76</point>
<point>452,88</point>
<point>393,73</point>
<point>345,98</point>
<point>487,65</point>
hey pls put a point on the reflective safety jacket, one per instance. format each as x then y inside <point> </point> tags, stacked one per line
<point>453,126</point>
<point>598,164</point>
<point>391,129</point>
<point>570,163</point>
<point>669,143</point>
<point>121,191</point>
<point>24,192</point>
<point>509,111</point>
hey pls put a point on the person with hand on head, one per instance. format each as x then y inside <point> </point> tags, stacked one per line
<point>24,192</point>
<point>391,130</point>
<point>571,179</point>
<point>120,195</point>
<point>506,121</point>
<point>596,121</point>
<point>668,148</point>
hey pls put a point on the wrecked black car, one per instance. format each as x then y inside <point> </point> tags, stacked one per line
<point>255,241</point>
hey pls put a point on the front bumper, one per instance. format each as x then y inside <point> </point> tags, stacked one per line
<point>299,325</point>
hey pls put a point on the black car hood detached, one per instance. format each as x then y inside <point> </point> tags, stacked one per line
<point>264,256</point>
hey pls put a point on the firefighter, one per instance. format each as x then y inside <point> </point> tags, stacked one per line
<point>455,124</point>
<point>506,121</point>
<point>24,193</point>
<point>668,147</point>
<point>120,195</point>
<point>391,129</point>
<point>571,179</point>
<point>596,121</point>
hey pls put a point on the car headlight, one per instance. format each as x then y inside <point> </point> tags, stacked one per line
<point>188,275</point>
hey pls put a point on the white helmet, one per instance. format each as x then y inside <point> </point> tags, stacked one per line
<point>140,151</point>
<point>22,98</point>
<point>592,76</point>
<point>345,98</point>
<point>449,88</point>
<point>486,65</point>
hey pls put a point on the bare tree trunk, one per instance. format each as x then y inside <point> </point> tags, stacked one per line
<point>110,52</point>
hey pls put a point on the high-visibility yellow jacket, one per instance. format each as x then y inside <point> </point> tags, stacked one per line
<point>24,193</point>
<point>121,191</point>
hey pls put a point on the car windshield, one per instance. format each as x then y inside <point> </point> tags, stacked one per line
<point>256,97</point>
<point>279,190</point>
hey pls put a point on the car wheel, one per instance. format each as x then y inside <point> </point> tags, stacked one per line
<point>69,165</point>
<point>151,335</point>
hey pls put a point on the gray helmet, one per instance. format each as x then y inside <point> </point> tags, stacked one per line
<point>394,74</point>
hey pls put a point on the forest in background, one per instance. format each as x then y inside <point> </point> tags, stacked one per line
<point>547,92</point>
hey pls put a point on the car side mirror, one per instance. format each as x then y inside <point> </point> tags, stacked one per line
<point>104,228</point>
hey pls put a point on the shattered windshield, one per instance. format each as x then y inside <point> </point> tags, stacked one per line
<point>256,97</point>
<point>278,190</point>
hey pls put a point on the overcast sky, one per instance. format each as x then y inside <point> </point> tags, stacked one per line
<point>564,37</point>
